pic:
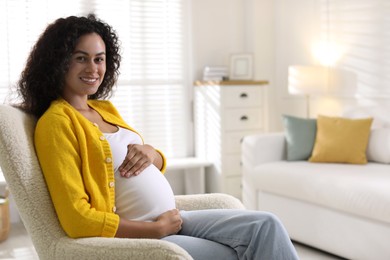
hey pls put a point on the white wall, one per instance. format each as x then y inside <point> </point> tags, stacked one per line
<point>296,24</point>
<point>217,31</point>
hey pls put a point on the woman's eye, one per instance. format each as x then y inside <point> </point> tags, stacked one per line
<point>100,59</point>
<point>80,58</point>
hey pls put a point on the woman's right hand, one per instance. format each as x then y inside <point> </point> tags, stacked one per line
<point>169,222</point>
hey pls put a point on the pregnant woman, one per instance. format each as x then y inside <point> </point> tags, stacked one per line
<point>103,179</point>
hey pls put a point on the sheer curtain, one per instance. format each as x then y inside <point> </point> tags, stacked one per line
<point>152,93</point>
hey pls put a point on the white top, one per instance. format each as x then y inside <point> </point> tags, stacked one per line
<point>143,197</point>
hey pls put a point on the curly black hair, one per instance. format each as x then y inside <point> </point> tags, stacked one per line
<point>43,78</point>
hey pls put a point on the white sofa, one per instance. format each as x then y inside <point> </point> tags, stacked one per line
<point>340,208</point>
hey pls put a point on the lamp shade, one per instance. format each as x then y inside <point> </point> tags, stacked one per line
<point>321,80</point>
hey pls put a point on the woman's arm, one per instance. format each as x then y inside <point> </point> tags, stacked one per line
<point>81,213</point>
<point>168,223</point>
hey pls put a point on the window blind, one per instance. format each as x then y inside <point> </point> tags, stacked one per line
<point>151,93</point>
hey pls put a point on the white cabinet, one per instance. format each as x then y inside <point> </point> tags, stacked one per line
<point>224,112</point>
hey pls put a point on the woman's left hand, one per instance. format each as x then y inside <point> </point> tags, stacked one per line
<point>137,159</point>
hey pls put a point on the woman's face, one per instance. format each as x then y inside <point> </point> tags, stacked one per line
<point>87,67</point>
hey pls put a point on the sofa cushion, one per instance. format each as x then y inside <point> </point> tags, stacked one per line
<point>378,149</point>
<point>362,190</point>
<point>341,140</point>
<point>300,135</point>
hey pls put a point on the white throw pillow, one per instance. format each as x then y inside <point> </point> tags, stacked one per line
<point>378,149</point>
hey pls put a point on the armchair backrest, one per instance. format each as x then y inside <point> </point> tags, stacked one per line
<point>24,178</point>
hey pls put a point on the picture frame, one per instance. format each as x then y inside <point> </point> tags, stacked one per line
<point>241,66</point>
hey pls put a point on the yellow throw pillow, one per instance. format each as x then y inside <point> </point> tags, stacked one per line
<point>341,140</point>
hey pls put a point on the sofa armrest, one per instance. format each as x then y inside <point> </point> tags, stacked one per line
<point>262,148</point>
<point>256,150</point>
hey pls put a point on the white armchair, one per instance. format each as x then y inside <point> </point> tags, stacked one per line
<point>27,185</point>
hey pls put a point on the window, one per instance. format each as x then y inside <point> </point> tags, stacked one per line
<point>153,75</point>
<point>152,93</point>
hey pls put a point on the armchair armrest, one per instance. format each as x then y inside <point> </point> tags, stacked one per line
<point>118,248</point>
<point>262,148</point>
<point>139,249</point>
<point>207,201</point>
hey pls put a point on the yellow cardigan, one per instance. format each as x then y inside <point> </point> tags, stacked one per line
<point>76,161</point>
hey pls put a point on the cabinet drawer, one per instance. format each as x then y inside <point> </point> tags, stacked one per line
<point>232,140</point>
<point>242,96</point>
<point>243,119</point>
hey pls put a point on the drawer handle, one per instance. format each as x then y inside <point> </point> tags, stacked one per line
<point>243,95</point>
<point>244,118</point>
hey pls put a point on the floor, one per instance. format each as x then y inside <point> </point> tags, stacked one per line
<point>19,246</point>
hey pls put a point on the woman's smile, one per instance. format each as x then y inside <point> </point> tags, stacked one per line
<point>89,80</point>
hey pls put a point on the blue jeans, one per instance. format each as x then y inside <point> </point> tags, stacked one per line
<point>233,234</point>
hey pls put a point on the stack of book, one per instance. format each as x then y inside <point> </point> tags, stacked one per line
<point>215,73</point>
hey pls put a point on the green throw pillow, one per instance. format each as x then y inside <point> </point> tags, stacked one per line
<point>300,136</point>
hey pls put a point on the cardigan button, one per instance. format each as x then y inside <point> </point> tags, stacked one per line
<point>112,184</point>
<point>114,209</point>
<point>102,138</point>
<point>108,160</point>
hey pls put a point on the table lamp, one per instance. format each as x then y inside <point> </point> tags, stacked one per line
<point>320,80</point>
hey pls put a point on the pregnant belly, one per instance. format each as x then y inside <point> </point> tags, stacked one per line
<point>143,197</point>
